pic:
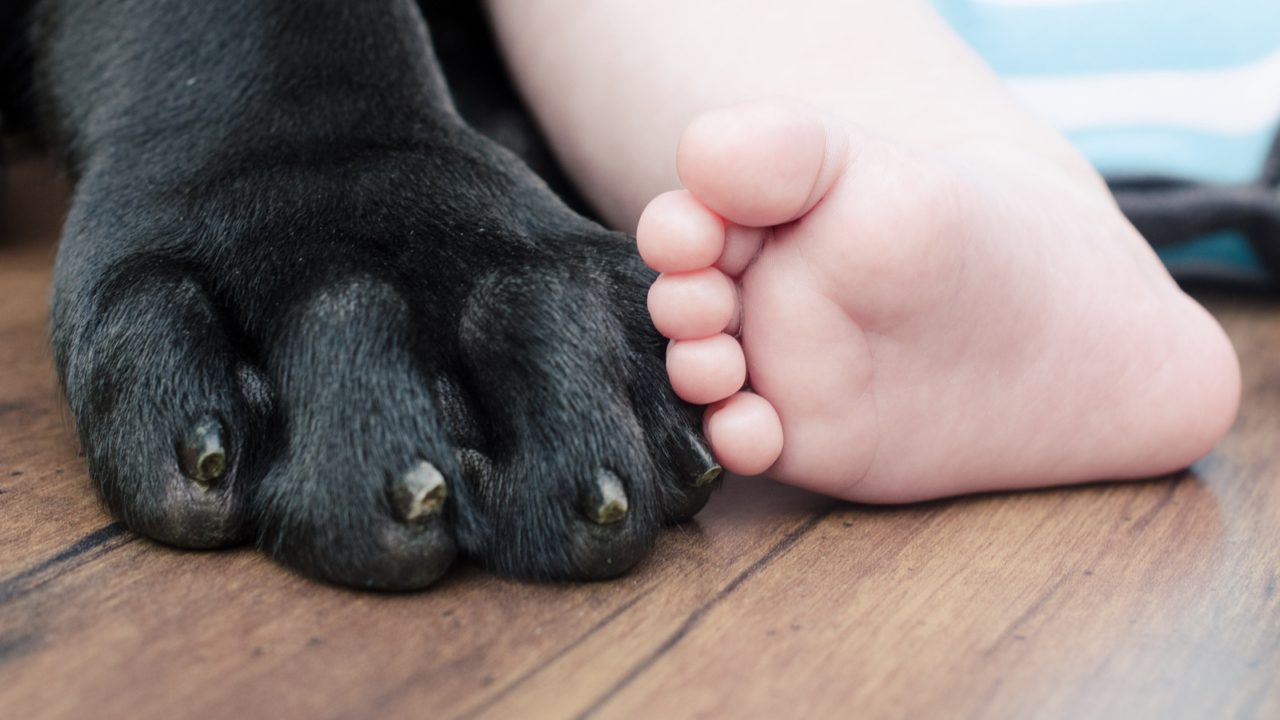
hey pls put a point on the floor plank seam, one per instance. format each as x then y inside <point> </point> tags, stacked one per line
<point>697,615</point>
<point>543,665</point>
<point>25,581</point>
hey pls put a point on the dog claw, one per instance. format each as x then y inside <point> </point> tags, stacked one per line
<point>202,454</point>
<point>708,476</point>
<point>611,501</point>
<point>705,469</point>
<point>419,493</point>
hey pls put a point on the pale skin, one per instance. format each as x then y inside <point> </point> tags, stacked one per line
<point>927,291</point>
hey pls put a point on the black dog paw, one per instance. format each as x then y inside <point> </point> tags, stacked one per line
<point>371,360</point>
<point>582,454</point>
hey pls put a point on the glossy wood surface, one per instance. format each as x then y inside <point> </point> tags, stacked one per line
<point>1155,599</point>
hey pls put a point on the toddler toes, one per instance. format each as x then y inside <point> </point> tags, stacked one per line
<point>741,247</point>
<point>704,371</point>
<point>677,233</point>
<point>692,305</point>
<point>745,433</point>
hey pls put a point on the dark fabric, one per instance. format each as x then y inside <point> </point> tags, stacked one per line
<point>1171,212</point>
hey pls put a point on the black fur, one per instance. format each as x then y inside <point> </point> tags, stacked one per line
<point>283,233</point>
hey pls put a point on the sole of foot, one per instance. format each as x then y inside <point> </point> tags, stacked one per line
<point>916,324</point>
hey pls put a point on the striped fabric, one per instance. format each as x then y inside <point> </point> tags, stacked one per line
<point>1187,91</point>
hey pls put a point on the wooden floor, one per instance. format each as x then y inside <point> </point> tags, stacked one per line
<point>1156,599</point>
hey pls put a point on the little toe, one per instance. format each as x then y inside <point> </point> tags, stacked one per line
<point>676,233</point>
<point>760,164</point>
<point>692,305</point>
<point>704,371</point>
<point>745,433</point>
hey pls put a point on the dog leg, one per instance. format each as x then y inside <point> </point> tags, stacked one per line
<point>298,299</point>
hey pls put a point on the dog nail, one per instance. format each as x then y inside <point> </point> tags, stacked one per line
<point>702,466</point>
<point>202,454</point>
<point>707,476</point>
<point>419,492</point>
<point>611,500</point>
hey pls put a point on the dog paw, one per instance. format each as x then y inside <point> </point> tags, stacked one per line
<point>370,364</point>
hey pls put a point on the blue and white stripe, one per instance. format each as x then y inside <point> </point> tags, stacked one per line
<point>1181,88</point>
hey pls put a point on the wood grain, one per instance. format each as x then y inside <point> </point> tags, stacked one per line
<point>1153,599</point>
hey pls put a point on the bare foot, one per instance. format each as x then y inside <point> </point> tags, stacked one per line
<point>916,324</point>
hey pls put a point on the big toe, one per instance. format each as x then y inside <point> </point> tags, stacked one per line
<point>761,163</point>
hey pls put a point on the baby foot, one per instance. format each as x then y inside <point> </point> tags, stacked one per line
<point>921,324</point>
